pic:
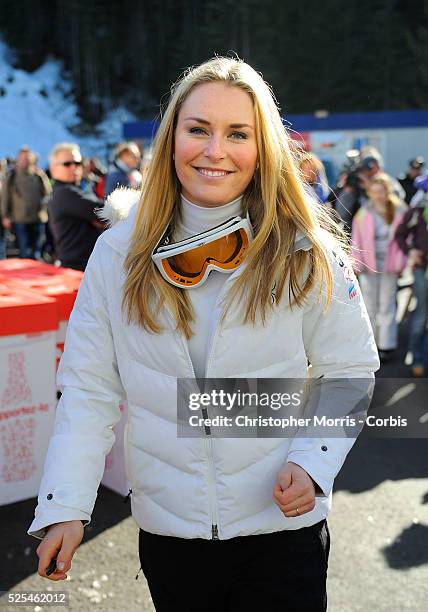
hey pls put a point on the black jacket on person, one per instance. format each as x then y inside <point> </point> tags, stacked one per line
<point>408,184</point>
<point>412,233</point>
<point>346,205</point>
<point>71,216</point>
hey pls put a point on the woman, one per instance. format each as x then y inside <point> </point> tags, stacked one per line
<point>379,259</point>
<point>225,523</point>
<point>412,238</point>
<point>313,175</point>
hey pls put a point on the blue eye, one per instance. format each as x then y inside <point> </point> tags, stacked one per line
<point>239,135</point>
<point>196,130</point>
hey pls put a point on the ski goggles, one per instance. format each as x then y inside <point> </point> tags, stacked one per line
<point>187,263</point>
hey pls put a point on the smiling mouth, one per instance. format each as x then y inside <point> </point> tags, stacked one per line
<point>213,173</point>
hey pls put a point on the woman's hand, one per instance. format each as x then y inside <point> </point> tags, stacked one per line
<point>294,492</point>
<point>61,542</point>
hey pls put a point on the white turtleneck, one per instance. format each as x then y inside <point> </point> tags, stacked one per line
<point>194,220</point>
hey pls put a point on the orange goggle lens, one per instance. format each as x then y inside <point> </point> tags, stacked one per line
<point>225,253</point>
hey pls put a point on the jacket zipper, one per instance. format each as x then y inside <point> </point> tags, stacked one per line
<point>211,472</point>
<point>211,487</point>
<point>208,439</point>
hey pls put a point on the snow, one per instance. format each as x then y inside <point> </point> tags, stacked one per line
<point>37,109</point>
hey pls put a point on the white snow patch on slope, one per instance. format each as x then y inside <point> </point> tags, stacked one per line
<point>37,109</point>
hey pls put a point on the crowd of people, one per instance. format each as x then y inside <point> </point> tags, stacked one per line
<point>387,222</point>
<point>389,234</point>
<point>51,214</point>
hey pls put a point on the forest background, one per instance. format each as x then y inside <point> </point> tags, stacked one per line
<point>354,55</point>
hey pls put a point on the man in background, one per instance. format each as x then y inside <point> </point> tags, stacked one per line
<point>72,218</point>
<point>369,168</point>
<point>407,181</point>
<point>23,203</point>
<point>124,171</point>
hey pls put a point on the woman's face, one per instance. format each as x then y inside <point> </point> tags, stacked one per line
<point>215,144</point>
<point>378,194</point>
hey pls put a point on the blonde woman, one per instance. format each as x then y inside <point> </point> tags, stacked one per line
<point>225,523</point>
<point>379,260</point>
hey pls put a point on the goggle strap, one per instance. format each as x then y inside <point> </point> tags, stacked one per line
<point>177,248</point>
<point>201,236</point>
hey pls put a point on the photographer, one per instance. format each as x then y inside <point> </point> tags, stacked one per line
<point>349,191</point>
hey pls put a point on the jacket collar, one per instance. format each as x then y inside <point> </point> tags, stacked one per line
<point>119,212</point>
<point>58,183</point>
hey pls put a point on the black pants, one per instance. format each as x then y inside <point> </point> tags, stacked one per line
<point>284,571</point>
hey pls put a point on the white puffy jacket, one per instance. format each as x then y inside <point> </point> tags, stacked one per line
<point>183,486</point>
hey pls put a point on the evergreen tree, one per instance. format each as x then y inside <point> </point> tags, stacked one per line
<point>358,55</point>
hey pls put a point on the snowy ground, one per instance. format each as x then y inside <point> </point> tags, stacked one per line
<point>38,109</point>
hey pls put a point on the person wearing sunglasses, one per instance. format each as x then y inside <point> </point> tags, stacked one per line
<point>219,268</point>
<point>72,218</point>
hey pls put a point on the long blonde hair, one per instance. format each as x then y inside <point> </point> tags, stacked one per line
<point>275,199</point>
<point>392,200</point>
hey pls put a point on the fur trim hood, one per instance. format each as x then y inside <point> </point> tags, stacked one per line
<point>118,205</point>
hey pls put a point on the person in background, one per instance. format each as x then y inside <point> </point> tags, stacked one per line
<point>412,238</point>
<point>98,173</point>
<point>407,181</point>
<point>370,167</point>
<point>258,298</point>
<point>124,171</point>
<point>348,200</point>
<point>23,203</point>
<point>87,183</point>
<point>378,260</point>
<point>93,176</point>
<point>313,175</point>
<point>347,194</point>
<point>72,217</point>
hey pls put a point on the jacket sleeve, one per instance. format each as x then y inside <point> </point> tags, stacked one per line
<point>403,231</point>
<point>45,184</point>
<point>115,180</point>
<point>6,201</point>
<point>87,411</point>
<point>75,203</point>
<point>339,344</point>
